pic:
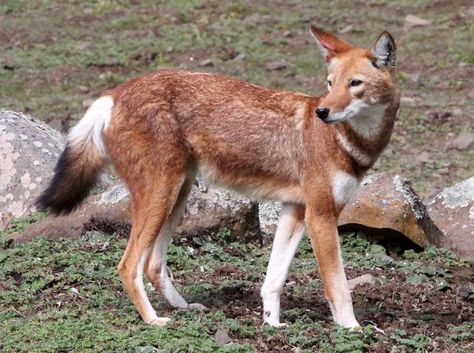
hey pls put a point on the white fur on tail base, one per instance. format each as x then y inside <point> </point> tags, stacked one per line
<point>94,122</point>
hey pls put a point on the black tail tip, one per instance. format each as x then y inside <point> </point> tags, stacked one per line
<point>47,201</point>
<point>70,185</point>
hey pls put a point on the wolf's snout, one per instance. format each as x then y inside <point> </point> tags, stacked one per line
<point>322,113</point>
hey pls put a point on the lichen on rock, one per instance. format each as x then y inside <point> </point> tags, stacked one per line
<point>28,152</point>
<point>459,195</point>
<point>404,188</point>
<point>453,212</point>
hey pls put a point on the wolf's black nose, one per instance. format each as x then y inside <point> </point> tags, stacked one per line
<point>322,113</point>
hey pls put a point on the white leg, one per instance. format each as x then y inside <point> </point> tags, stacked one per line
<point>341,308</point>
<point>287,237</point>
<point>150,312</point>
<point>157,266</point>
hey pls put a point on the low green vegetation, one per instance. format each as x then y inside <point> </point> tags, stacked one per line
<point>65,296</point>
<point>62,296</point>
<point>19,224</point>
<point>57,56</point>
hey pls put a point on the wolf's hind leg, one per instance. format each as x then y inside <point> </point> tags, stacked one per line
<point>151,207</point>
<point>156,269</point>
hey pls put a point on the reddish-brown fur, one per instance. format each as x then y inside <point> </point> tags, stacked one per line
<point>170,125</point>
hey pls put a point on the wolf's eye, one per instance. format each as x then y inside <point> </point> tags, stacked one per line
<point>329,83</point>
<point>355,83</point>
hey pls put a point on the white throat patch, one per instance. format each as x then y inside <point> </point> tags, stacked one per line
<point>368,123</point>
<point>364,119</point>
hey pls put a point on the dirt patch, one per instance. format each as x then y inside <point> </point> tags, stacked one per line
<point>394,303</point>
<point>393,307</point>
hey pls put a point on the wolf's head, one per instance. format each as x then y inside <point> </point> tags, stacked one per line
<point>361,82</point>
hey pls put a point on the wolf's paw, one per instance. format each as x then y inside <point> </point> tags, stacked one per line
<point>197,306</point>
<point>160,321</point>
<point>356,328</point>
<point>350,324</point>
<point>276,324</point>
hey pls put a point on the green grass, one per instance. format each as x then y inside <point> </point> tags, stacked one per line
<point>58,296</point>
<point>66,296</point>
<point>55,55</point>
<point>20,224</point>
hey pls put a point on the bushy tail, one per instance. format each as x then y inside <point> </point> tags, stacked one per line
<point>81,162</point>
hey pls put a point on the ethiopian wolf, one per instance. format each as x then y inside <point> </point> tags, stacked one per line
<point>161,129</point>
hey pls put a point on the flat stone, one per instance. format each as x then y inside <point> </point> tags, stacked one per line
<point>222,337</point>
<point>385,204</point>
<point>415,21</point>
<point>424,158</point>
<point>410,101</point>
<point>239,57</point>
<point>206,63</point>
<point>346,29</point>
<point>464,141</point>
<point>354,282</point>
<point>414,77</point>
<point>276,65</point>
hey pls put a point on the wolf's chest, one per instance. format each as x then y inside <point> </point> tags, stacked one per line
<point>343,187</point>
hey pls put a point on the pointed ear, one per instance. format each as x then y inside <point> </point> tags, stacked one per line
<point>329,44</point>
<point>384,52</point>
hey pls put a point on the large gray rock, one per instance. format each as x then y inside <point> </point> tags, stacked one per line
<point>453,212</point>
<point>269,214</point>
<point>211,208</point>
<point>207,209</point>
<point>28,152</point>
<point>387,204</point>
<point>384,205</point>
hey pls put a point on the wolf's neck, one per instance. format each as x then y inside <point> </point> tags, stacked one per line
<point>369,125</point>
<point>365,136</point>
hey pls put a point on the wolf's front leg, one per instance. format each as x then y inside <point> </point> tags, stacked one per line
<point>324,237</point>
<point>287,237</point>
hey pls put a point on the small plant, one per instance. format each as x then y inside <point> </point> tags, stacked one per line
<point>66,296</point>
<point>20,224</point>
